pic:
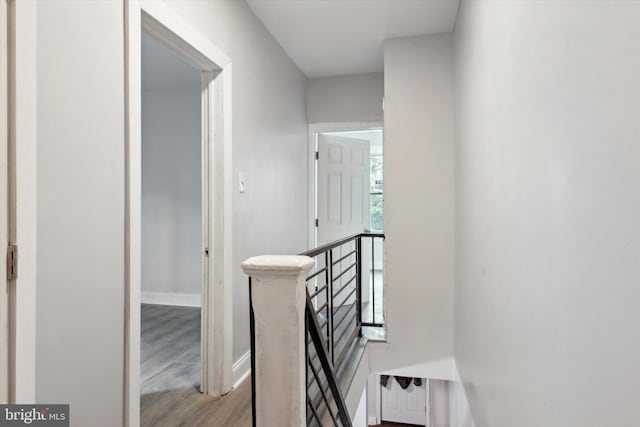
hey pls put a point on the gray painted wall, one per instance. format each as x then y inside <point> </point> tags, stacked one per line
<point>356,98</point>
<point>171,176</point>
<point>80,252</point>
<point>418,205</point>
<point>548,201</point>
<point>171,198</point>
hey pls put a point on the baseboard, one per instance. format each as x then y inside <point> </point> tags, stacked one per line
<point>373,421</point>
<point>165,298</point>
<point>241,369</point>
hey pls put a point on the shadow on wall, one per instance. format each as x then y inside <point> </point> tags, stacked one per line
<point>459,409</point>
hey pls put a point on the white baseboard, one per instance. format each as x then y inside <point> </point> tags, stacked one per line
<point>373,421</point>
<point>241,369</point>
<point>165,298</point>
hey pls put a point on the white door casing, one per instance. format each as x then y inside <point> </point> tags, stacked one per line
<point>407,406</point>
<point>4,238</point>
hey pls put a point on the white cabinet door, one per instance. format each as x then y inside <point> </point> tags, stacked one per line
<point>404,406</point>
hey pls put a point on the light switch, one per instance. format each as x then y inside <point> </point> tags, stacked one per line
<point>242,182</point>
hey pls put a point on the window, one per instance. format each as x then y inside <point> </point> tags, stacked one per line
<point>376,199</point>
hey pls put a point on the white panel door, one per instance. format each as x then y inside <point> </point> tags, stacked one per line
<point>343,200</point>
<point>404,406</point>
<point>343,187</point>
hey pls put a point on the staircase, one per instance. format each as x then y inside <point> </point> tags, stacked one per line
<point>324,288</point>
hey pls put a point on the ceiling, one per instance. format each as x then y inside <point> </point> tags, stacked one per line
<point>161,68</point>
<point>343,37</point>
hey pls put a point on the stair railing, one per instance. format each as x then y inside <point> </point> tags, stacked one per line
<point>334,314</point>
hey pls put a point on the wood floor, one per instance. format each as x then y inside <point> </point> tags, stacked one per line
<point>170,375</point>
<point>388,424</point>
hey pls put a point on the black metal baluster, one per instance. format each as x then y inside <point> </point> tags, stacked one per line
<point>373,280</point>
<point>359,282</point>
<point>252,339</point>
<point>306,357</point>
<point>330,305</point>
<point>327,279</point>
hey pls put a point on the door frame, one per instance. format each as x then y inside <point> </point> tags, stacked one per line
<point>312,173</point>
<point>159,21</point>
<point>4,201</point>
<point>22,182</point>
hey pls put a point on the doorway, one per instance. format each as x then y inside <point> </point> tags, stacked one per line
<point>174,226</point>
<point>348,198</point>
<point>164,26</point>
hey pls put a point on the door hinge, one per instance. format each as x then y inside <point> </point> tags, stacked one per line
<point>317,155</point>
<point>206,251</point>
<point>12,262</point>
<point>316,222</point>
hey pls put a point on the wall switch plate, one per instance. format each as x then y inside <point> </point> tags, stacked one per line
<point>242,182</point>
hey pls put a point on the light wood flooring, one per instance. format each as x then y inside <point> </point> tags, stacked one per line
<point>170,375</point>
<point>389,424</point>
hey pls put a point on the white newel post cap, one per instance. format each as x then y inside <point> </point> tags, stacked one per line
<point>278,298</point>
<point>277,265</point>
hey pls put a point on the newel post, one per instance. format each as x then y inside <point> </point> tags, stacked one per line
<point>278,296</point>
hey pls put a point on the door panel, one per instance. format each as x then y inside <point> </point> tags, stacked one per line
<point>343,187</point>
<point>334,204</point>
<point>404,406</point>
<point>343,197</point>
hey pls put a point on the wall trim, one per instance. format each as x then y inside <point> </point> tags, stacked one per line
<point>241,369</point>
<point>167,298</point>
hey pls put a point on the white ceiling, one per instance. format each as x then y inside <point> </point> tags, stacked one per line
<point>342,37</point>
<point>161,68</point>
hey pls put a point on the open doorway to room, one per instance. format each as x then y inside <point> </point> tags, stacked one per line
<point>348,198</point>
<point>172,228</point>
<point>178,206</point>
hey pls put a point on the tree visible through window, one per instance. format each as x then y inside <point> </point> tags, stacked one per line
<point>376,217</point>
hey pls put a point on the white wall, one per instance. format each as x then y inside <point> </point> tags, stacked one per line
<point>459,410</point>
<point>359,419</point>
<point>356,98</point>
<point>439,369</point>
<point>171,183</point>
<point>269,142</point>
<point>373,398</point>
<point>419,205</point>
<point>548,201</point>
<point>80,253</point>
